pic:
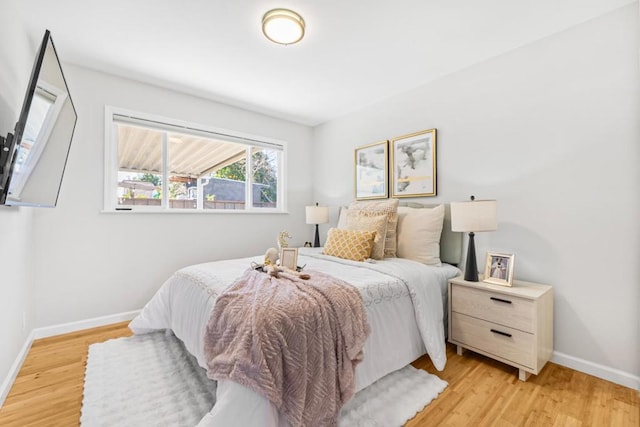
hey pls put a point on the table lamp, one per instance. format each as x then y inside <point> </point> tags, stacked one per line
<point>317,215</point>
<point>472,217</point>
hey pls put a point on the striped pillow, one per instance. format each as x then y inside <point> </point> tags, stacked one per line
<point>378,223</point>
<point>378,207</point>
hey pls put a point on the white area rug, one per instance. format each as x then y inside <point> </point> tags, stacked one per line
<point>151,380</point>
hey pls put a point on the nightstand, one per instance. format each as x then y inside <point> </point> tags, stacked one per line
<point>511,324</point>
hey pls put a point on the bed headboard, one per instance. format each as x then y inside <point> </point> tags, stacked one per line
<point>450,241</point>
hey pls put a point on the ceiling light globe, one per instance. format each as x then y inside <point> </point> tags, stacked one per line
<point>283,26</point>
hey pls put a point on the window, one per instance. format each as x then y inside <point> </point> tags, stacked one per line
<point>158,164</point>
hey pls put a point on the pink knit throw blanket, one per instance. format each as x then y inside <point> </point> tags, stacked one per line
<point>296,342</point>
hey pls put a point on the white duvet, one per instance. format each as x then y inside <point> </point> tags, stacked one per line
<point>403,299</point>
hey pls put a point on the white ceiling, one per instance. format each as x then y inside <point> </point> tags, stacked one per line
<point>354,52</point>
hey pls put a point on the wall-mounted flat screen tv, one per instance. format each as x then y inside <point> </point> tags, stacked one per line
<point>34,157</point>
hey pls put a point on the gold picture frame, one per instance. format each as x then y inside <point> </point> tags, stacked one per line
<point>413,164</point>
<point>372,171</point>
<point>289,258</point>
<point>499,269</point>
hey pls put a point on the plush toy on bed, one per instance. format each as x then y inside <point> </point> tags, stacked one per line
<point>272,268</point>
<point>271,256</point>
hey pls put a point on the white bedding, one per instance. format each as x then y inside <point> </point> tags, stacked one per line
<point>403,299</point>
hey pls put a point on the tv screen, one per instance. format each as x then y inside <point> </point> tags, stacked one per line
<point>42,135</point>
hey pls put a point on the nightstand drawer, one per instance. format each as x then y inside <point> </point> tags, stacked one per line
<point>507,343</point>
<point>508,310</point>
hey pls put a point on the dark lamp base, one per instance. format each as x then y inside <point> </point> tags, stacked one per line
<point>471,269</point>
<point>316,242</point>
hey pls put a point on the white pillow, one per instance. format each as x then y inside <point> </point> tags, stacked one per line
<point>419,233</point>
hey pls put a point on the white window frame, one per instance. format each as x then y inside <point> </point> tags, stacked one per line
<point>114,115</point>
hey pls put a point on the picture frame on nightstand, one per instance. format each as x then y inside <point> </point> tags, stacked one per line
<point>498,269</point>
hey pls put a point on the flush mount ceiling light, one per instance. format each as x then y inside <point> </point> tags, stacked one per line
<point>283,26</point>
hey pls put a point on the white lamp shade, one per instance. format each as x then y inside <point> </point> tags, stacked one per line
<point>476,215</point>
<point>317,214</point>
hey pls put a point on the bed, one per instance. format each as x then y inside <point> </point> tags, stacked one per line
<point>404,302</point>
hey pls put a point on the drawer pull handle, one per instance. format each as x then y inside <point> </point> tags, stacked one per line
<point>501,333</point>
<point>506,301</point>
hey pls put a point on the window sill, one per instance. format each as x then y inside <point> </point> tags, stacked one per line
<point>193,211</point>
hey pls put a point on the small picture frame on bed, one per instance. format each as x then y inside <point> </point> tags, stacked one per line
<point>499,269</point>
<point>372,171</point>
<point>289,258</point>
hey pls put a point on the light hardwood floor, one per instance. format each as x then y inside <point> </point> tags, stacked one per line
<point>48,390</point>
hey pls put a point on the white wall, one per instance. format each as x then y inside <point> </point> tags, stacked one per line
<point>16,237</point>
<point>91,264</point>
<point>551,131</point>
<point>16,284</point>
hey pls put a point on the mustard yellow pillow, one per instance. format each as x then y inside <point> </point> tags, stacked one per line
<point>358,222</point>
<point>349,244</point>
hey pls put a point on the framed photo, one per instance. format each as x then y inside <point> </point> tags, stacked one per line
<point>289,258</point>
<point>372,171</point>
<point>413,164</point>
<point>499,269</point>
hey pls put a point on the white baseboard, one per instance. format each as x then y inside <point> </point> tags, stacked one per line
<point>604,372</point>
<point>15,368</point>
<point>65,328</point>
<point>50,331</point>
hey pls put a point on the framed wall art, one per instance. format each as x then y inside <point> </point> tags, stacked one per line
<point>413,164</point>
<point>372,171</point>
<point>499,269</point>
